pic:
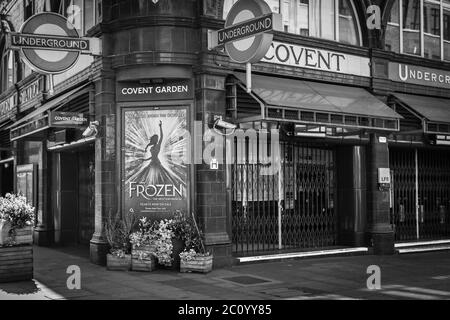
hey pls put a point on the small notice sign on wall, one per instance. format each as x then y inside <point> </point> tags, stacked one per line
<point>384,175</point>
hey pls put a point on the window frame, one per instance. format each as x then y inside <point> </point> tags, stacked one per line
<point>282,8</point>
<point>95,18</point>
<point>442,6</point>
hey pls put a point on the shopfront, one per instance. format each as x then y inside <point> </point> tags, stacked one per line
<point>419,152</point>
<point>345,114</point>
<point>57,165</point>
<point>316,199</point>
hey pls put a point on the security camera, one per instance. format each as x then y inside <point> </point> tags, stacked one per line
<point>224,124</point>
<point>91,130</point>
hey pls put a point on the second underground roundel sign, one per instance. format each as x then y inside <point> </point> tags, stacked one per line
<point>48,43</point>
<point>249,17</point>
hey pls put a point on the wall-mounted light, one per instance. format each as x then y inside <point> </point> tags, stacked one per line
<point>92,130</point>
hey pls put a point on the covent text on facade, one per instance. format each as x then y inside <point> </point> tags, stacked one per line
<point>48,42</point>
<point>318,59</point>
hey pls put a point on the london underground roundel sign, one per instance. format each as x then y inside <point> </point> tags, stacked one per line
<point>247,34</point>
<point>49,43</point>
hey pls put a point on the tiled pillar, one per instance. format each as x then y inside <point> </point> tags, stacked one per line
<point>105,165</point>
<point>352,190</point>
<point>44,227</point>
<point>380,232</point>
<point>211,199</point>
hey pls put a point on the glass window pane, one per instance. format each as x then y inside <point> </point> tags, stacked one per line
<point>446,27</point>
<point>89,12</point>
<point>411,27</point>
<point>288,13</point>
<point>303,18</point>
<point>322,19</point>
<point>54,6</point>
<point>348,30</point>
<point>447,50</point>
<point>432,30</point>
<point>73,11</point>
<point>227,4</point>
<point>392,42</point>
<point>328,19</point>
<point>296,16</point>
<point>431,19</point>
<point>10,69</point>
<point>274,5</point>
<point>395,13</point>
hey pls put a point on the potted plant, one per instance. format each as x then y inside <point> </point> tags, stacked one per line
<point>182,228</point>
<point>162,239</point>
<point>193,261</point>
<point>118,230</point>
<point>143,247</point>
<point>194,258</point>
<point>16,220</point>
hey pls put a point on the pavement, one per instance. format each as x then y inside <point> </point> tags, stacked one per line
<point>424,276</point>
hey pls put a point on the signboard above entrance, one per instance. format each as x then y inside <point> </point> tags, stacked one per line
<point>317,59</point>
<point>419,75</point>
<point>166,90</point>
<point>58,119</point>
<point>50,44</point>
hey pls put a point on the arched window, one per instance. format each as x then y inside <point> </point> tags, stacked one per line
<point>83,14</point>
<point>327,19</point>
<point>420,27</point>
<point>9,59</point>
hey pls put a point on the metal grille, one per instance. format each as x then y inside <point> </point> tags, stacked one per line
<point>423,214</point>
<point>402,163</point>
<point>301,197</point>
<point>434,194</point>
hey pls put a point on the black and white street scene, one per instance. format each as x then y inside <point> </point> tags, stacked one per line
<point>219,150</point>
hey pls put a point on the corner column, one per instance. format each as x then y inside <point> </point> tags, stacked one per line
<point>105,164</point>
<point>380,232</point>
<point>211,199</point>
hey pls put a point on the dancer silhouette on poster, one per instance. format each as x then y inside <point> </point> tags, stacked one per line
<point>155,146</point>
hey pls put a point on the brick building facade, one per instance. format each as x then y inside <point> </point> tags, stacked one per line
<point>331,194</point>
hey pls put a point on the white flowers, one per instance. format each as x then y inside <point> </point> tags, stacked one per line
<point>16,210</point>
<point>188,255</point>
<point>158,236</point>
<point>163,242</point>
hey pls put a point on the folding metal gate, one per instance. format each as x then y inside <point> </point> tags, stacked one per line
<point>421,193</point>
<point>292,209</point>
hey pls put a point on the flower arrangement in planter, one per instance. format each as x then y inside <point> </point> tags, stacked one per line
<point>193,261</point>
<point>143,247</point>
<point>16,220</point>
<point>118,230</point>
<point>173,243</point>
<point>163,236</point>
<point>194,258</point>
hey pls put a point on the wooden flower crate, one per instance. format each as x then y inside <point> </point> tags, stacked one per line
<point>198,264</point>
<point>23,236</point>
<point>143,265</point>
<point>142,258</point>
<point>16,263</point>
<point>16,236</point>
<point>115,263</point>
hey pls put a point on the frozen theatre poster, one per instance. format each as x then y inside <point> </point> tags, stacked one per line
<point>155,178</point>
